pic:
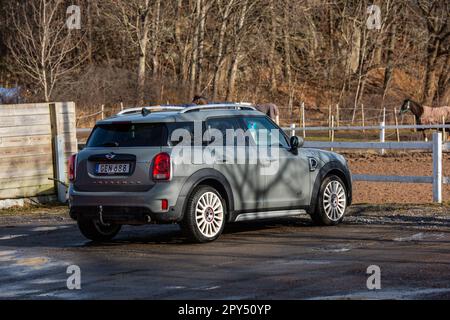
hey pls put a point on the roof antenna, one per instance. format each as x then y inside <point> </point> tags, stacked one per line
<point>145,112</point>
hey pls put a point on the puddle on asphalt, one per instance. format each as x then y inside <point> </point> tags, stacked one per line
<point>390,294</point>
<point>421,236</point>
<point>12,236</point>
<point>334,249</point>
<point>40,229</point>
<point>32,262</point>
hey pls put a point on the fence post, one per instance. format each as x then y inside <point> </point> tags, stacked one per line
<point>103,111</point>
<point>121,106</point>
<point>382,135</point>
<point>329,121</point>
<point>59,164</point>
<point>362,117</point>
<point>337,114</point>
<point>332,130</point>
<point>292,129</point>
<point>397,131</point>
<point>437,167</point>
<point>444,138</point>
<point>303,119</point>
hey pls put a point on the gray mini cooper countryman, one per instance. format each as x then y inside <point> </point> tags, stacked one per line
<point>201,167</point>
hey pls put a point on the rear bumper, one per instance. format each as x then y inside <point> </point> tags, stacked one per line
<point>122,214</point>
<point>126,207</point>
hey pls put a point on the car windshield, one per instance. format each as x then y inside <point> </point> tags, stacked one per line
<point>128,135</point>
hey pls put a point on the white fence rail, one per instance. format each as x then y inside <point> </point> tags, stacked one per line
<point>436,146</point>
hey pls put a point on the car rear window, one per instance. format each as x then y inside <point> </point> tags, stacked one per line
<point>128,135</point>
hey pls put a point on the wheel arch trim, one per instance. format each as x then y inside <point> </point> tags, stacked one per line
<point>196,179</point>
<point>331,167</point>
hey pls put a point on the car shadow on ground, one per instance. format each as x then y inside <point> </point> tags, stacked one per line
<point>67,235</point>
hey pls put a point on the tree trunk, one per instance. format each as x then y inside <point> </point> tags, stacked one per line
<point>442,94</point>
<point>272,66</point>
<point>236,53</point>
<point>287,57</point>
<point>201,39</point>
<point>389,61</point>
<point>155,40</point>
<point>429,84</point>
<point>220,46</point>
<point>194,60</point>
<point>143,29</point>
<point>177,33</point>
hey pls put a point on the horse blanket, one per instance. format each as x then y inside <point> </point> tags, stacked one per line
<point>435,115</point>
<point>269,109</point>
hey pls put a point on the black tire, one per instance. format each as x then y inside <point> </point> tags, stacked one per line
<point>323,214</point>
<point>95,231</point>
<point>192,225</point>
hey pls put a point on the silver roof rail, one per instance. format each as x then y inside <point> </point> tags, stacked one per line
<point>150,109</point>
<point>233,106</point>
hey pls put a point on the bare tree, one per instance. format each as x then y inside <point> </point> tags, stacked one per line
<point>134,16</point>
<point>239,32</point>
<point>42,46</point>
<point>436,17</point>
<point>224,11</point>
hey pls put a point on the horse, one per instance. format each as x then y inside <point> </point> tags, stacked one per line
<point>425,115</point>
<point>269,109</point>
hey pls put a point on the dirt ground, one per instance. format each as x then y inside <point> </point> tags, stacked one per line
<point>407,163</point>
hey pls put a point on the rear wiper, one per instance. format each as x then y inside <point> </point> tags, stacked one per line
<point>110,144</point>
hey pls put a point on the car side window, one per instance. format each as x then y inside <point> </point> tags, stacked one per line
<point>265,133</point>
<point>222,124</point>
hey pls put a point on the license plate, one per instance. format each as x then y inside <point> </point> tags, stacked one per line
<point>112,168</point>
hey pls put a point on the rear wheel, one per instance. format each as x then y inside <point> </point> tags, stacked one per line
<point>331,203</point>
<point>97,231</point>
<point>204,218</point>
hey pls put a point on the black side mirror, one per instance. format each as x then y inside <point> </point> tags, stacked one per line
<point>296,143</point>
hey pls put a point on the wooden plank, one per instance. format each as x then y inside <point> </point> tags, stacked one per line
<point>23,109</point>
<point>21,163</point>
<point>24,120</point>
<point>21,182</point>
<point>25,131</point>
<point>387,127</point>
<point>13,152</point>
<point>33,171</point>
<point>24,141</point>
<point>25,192</point>
<point>369,145</point>
<point>404,179</point>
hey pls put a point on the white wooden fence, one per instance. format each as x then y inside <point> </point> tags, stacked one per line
<point>435,146</point>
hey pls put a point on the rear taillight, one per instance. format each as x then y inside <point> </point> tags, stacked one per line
<point>161,167</point>
<point>72,167</point>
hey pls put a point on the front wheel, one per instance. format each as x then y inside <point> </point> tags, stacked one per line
<point>331,202</point>
<point>97,231</point>
<point>204,218</point>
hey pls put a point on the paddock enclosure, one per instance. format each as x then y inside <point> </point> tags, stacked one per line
<point>35,141</point>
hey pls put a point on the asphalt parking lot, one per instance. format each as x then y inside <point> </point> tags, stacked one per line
<point>277,259</point>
